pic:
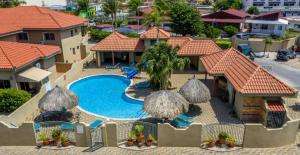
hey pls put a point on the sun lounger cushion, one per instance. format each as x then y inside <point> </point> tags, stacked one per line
<point>96,123</point>
<point>67,126</point>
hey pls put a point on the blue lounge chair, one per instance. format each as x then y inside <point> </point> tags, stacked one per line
<point>179,124</point>
<point>128,67</point>
<point>96,123</point>
<point>132,74</point>
<point>112,66</point>
<point>144,84</point>
<point>37,127</point>
<point>67,126</point>
<point>184,118</point>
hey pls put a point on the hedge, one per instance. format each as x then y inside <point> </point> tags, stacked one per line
<point>12,99</point>
<point>98,34</point>
<point>224,44</point>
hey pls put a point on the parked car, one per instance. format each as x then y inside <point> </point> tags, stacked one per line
<point>92,23</point>
<point>285,54</point>
<point>244,36</point>
<point>245,49</point>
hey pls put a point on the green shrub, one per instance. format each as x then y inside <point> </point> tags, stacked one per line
<point>224,44</point>
<point>55,133</point>
<point>131,34</point>
<point>211,32</point>
<point>98,34</point>
<point>12,99</point>
<point>231,30</point>
<point>223,135</point>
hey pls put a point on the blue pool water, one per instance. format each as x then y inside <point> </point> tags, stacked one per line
<point>104,95</point>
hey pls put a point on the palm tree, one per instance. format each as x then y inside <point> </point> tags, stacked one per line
<point>161,61</point>
<point>11,3</point>
<point>83,5</point>
<point>111,7</point>
<point>267,42</point>
<point>133,5</point>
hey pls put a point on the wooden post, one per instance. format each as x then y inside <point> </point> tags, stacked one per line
<point>113,58</point>
<point>213,88</point>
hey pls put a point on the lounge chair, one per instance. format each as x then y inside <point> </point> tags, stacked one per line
<point>67,126</point>
<point>132,74</point>
<point>37,127</point>
<point>144,84</point>
<point>184,118</point>
<point>95,124</point>
<point>179,124</point>
<point>128,67</point>
<point>112,66</point>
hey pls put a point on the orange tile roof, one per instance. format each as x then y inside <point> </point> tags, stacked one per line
<point>119,42</point>
<point>152,34</point>
<point>33,17</point>
<point>15,55</point>
<point>245,76</point>
<point>178,41</point>
<point>198,48</point>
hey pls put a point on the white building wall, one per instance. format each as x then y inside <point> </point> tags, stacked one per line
<point>46,2</point>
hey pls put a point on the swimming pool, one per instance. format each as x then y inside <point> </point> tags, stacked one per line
<point>104,95</point>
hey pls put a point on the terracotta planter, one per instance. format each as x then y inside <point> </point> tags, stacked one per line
<point>46,142</point>
<point>66,143</point>
<point>57,140</point>
<point>231,145</point>
<point>210,144</point>
<point>140,138</point>
<point>222,141</point>
<point>129,143</point>
<point>149,143</point>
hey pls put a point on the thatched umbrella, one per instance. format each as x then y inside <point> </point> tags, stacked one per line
<point>195,91</point>
<point>165,104</point>
<point>58,99</point>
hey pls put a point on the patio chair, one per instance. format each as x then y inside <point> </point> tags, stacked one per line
<point>112,66</point>
<point>67,126</point>
<point>179,124</point>
<point>144,84</point>
<point>128,67</point>
<point>185,118</point>
<point>37,127</point>
<point>132,74</point>
<point>95,124</point>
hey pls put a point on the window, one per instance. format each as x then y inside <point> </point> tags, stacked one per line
<point>25,86</point>
<point>4,84</point>
<point>264,26</point>
<point>72,33</point>
<point>152,42</point>
<point>49,36</point>
<point>279,27</point>
<point>23,36</point>
<point>74,52</point>
<point>76,31</point>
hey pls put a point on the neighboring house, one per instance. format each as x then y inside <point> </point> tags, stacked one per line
<point>117,48</point>
<point>45,3</point>
<point>26,66</point>
<point>254,93</point>
<point>223,18</point>
<point>294,22</point>
<point>287,7</point>
<point>267,23</point>
<point>38,25</point>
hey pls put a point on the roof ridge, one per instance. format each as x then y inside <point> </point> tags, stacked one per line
<point>250,78</point>
<point>50,15</point>
<point>40,51</point>
<point>7,57</point>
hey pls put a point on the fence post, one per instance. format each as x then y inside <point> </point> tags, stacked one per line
<point>109,131</point>
<point>82,135</point>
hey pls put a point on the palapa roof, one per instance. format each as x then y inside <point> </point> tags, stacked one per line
<point>152,34</point>
<point>34,17</point>
<point>165,104</point>
<point>195,91</point>
<point>15,55</point>
<point>119,42</point>
<point>245,76</point>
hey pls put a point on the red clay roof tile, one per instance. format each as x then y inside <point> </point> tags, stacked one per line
<point>152,34</point>
<point>15,55</point>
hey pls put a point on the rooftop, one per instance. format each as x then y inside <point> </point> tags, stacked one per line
<point>226,16</point>
<point>152,34</point>
<point>14,55</point>
<point>245,76</point>
<point>33,17</point>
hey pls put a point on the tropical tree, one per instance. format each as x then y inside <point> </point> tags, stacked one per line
<point>231,30</point>
<point>162,60</point>
<point>267,42</point>
<point>185,19</point>
<point>133,5</point>
<point>227,4</point>
<point>82,5</point>
<point>111,7</point>
<point>253,10</point>
<point>212,32</point>
<point>11,3</point>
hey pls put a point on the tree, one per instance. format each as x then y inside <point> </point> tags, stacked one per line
<point>267,42</point>
<point>133,5</point>
<point>11,3</point>
<point>111,7</point>
<point>154,18</point>
<point>212,32</point>
<point>185,19</point>
<point>231,30</point>
<point>253,10</point>
<point>162,60</point>
<point>227,4</point>
<point>12,99</point>
<point>83,5</point>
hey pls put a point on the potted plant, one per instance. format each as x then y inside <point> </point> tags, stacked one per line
<point>222,137</point>
<point>210,142</point>
<point>140,138</point>
<point>64,140</point>
<point>150,140</point>
<point>230,141</point>
<point>44,137</point>
<point>131,138</point>
<point>56,135</point>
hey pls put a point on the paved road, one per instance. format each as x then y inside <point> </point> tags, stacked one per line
<point>284,72</point>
